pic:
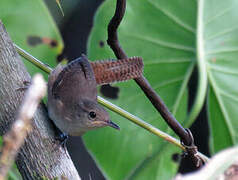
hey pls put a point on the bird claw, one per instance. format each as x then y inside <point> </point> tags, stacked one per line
<point>62,139</point>
<point>25,87</point>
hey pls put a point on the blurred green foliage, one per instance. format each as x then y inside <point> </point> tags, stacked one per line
<point>31,27</point>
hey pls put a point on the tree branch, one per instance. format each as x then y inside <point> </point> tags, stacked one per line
<point>14,138</point>
<point>39,157</point>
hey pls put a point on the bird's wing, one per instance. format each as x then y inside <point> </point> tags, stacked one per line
<point>76,80</point>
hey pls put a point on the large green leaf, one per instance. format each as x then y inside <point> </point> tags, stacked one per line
<point>26,19</point>
<point>220,49</point>
<point>163,33</point>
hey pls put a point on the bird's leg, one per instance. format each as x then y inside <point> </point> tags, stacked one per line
<point>25,87</point>
<point>60,136</point>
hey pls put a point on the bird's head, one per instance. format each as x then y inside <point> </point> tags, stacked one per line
<point>88,115</point>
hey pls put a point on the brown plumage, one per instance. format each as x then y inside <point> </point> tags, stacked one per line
<point>72,92</point>
<point>72,99</point>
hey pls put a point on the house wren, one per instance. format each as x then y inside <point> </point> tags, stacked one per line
<point>72,93</point>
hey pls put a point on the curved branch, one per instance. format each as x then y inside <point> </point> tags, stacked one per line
<point>112,40</point>
<point>154,98</point>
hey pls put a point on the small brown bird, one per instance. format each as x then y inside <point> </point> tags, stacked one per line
<point>72,92</point>
<point>72,99</point>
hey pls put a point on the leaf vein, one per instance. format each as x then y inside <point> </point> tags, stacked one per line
<point>220,14</point>
<point>186,60</point>
<point>174,18</point>
<point>156,87</point>
<point>222,107</point>
<point>161,43</point>
<point>228,50</point>
<point>227,31</point>
<point>222,70</point>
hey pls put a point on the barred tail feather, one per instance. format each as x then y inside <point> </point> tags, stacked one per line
<point>109,71</point>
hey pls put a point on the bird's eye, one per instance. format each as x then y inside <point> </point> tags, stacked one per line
<point>92,114</point>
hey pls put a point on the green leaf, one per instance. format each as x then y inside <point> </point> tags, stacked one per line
<point>151,165</point>
<point>219,34</point>
<point>221,137</point>
<point>30,20</point>
<point>164,35</point>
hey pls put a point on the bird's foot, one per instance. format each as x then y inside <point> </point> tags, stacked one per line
<point>25,87</point>
<point>62,138</point>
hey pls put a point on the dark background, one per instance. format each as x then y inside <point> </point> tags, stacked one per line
<point>75,27</point>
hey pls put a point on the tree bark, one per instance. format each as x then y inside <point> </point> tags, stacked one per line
<point>41,156</point>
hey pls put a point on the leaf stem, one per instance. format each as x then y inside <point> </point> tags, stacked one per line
<point>113,107</point>
<point>202,71</point>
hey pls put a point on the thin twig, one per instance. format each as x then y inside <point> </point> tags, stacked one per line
<point>154,98</point>
<point>13,139</point>
<point>32,59</point>
<point>158,103</point>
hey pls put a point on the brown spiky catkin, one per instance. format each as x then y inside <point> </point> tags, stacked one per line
<point>109,71</point>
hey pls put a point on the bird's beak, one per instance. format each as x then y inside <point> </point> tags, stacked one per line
<point>113,125</point>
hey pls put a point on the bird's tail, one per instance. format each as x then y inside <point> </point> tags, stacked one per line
<point>109,71</point>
